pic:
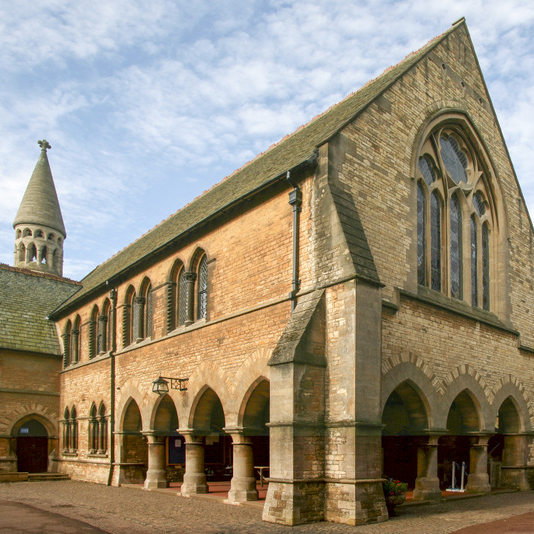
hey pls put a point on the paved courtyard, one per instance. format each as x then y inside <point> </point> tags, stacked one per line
<point>79,507</point>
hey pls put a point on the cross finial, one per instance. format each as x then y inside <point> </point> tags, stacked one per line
<point>44,144</point>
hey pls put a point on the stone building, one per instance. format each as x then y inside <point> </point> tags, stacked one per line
<point>355,302</point>
<point>30,355</point>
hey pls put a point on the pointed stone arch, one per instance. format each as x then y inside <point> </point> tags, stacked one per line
<point>207,412</point>
<point>464,377</point>
<point>418,374</point>
<point>512,388</point>
<point>254,409</point>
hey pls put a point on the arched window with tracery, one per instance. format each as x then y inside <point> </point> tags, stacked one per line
<point>128,317</point>
<point>93,430</point>
<point>76,340</point>
<point>67,333</point>
<point>453,186</point>
<point>202,288</point>
<point>93,333</point>
<point>102,429</point>
<point>146,310</point>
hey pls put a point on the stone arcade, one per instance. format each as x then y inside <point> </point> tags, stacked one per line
<point>353,303</point>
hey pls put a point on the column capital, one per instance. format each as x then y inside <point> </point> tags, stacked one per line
<point>190,276</point>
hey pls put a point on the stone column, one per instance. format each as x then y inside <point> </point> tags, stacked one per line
<point>139,319</point>
<point>194,477</point>
<point>478,479</point>
<point>190,277</point>
<point>427,481</point>
<point>102,341</point>
<point>156,476</point>
<point>243,485</point>
<point>514,460</point>
<point>75,356</point>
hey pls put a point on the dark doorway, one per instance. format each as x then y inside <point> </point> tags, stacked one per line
<point>32,447</point>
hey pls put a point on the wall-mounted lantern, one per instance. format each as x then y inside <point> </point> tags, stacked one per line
<point>162,384</point>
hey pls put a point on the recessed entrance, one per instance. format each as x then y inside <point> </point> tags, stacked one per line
<point>32,447</point>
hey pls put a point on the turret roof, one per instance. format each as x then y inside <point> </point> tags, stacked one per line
<point>40,204</point>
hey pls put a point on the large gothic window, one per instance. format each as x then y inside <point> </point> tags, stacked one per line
<point>454,257</point>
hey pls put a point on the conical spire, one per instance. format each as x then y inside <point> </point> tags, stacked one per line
<point>39,228</point>
<point>40,204</point>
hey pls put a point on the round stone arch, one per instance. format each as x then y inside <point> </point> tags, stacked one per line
<point>469,384</point>
<point>510,390</point>
<point>417,379</point>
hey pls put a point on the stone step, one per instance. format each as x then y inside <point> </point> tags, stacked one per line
<point>39,477</point>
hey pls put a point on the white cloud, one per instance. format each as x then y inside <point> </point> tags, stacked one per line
<point>148,107</point>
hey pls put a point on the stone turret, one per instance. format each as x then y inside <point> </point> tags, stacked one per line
<point>39,228</point>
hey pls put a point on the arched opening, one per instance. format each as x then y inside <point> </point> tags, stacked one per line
<point>32,447</point>
<point>208,422</point>
<point>134,457</point>
<point>507,448</point>
<point>405,420</point>
<point>165,426</point>
<point>255,420</point>
<point>454,449</point>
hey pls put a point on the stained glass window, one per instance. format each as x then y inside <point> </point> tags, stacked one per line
<point>454,159</point>
<point>478,203</point>
<point>435,242</point>
<point>485,267</point>
<point>427,168</point>
<point>421,248</point>
<point>456,248</point>
<point>474,262</point>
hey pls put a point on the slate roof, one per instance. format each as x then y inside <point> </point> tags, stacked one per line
<point>40,204</point>
<point>26,298</point>
<point>264,169</point>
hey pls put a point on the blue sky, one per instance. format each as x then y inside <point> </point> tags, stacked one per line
<point>148,104</point>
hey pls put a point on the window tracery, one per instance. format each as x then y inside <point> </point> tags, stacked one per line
<point>452,186</point>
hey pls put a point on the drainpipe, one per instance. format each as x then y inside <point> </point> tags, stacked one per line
<point>113,330</point>
<point>295,200</point>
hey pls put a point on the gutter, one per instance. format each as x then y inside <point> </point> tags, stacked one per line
<point>113,330</point>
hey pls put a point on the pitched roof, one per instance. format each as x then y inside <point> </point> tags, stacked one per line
<point>291,151</point>
<point>27,297</point>
<point>40,204</point>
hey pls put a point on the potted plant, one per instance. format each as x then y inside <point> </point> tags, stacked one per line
<point>394,494</point>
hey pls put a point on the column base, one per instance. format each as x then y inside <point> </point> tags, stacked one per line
<point>242,490</point>
<point>427,489</point>
<point>194,485</point>
<point>478,483</point>
<point>515,478</point>
<point>294,503</point>
<point>357,503</point>
<point>156,479</point>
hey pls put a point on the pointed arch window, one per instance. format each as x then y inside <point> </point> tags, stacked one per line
<point>435,242</point>
<point>454,257</point>
<point>456,252</point>
<point>182,297</point>
<point>128,317</point>
<point>76,340</point>
<point>202,288</point>
<point>93,430</point>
